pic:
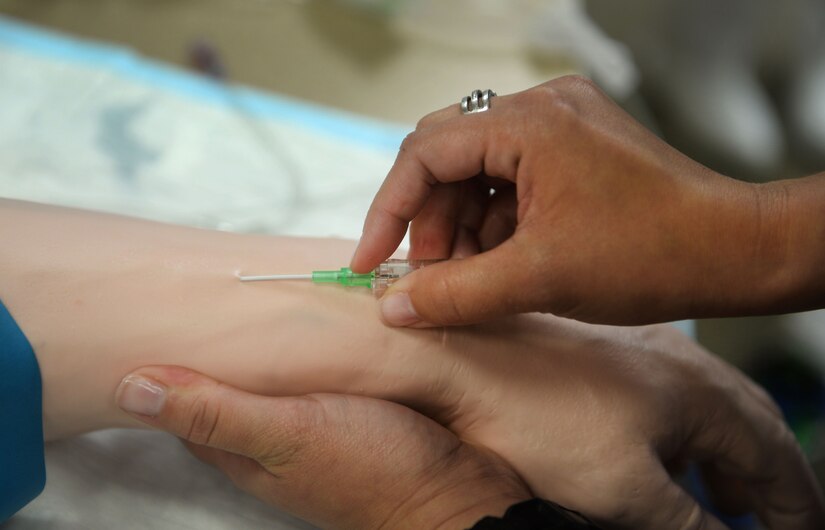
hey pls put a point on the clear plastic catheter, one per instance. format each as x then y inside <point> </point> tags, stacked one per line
<point>378,280</point>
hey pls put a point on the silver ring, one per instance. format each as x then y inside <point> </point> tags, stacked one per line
<point>477,101</point>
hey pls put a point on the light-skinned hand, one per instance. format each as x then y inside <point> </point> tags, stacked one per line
<point>593,418</point>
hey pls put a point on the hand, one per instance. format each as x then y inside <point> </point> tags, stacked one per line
<point>337,461</point>
<point>592,218</point>
<point>591,417</point>
<point>596,419</point>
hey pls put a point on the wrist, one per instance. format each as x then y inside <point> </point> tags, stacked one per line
<point>753,248</point>
<point>794,230</point>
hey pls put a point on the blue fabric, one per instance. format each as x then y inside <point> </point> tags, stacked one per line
<point>22,465</point>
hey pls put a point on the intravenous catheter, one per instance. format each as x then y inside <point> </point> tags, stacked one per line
<point>378,280</point>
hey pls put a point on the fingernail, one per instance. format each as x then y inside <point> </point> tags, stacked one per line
<point>138,395</point>
<point>397,310</point>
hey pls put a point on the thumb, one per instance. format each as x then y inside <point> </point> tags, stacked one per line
<point>202,411</point>
<point>464,291</point>
<point>298,453</point>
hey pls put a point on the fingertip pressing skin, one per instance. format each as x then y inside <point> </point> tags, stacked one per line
<point>377,243</point>
<point>394,206</point>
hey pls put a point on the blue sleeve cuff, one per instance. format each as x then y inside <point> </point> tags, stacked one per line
<point>22,463</point>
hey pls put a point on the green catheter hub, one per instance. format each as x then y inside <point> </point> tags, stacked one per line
<point>345,277</point>
<point>378,280</point>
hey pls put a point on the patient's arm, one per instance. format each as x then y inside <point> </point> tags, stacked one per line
<point>100,295</point>
<point>589,416</point>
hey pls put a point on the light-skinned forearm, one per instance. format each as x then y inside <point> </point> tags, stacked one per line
<point>100,295</point>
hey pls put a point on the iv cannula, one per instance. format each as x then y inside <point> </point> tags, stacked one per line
<point>378,280</point>
<point>345,277</point>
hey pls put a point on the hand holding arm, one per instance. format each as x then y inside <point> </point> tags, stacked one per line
<point>593,218</point>
<point>592,418</point>
<point>336,461</point>
<point>596,418</point>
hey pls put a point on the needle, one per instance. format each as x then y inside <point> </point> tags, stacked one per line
<point>275,277</point>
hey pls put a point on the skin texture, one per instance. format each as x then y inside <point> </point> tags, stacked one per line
<point>587,416</point>
<point>593,218</point>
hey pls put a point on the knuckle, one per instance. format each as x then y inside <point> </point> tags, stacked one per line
<point>536,95</point>
<point>579,82</point>
<point>409,142</point>
<point>204,418</point>
<point>567,95</point>
<point>427,120</point>
<point>400,207</point>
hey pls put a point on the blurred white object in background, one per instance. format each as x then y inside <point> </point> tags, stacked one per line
<point>809,329</point>
<point>563,26</point>
<point>807,110</point>
<point>722,109</point>
<point>487,26</point>
<point>704,63</point>
<point>555,28</point>
<point>806,96</point>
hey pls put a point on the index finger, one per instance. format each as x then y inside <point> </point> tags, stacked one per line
<point>450,151</point>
